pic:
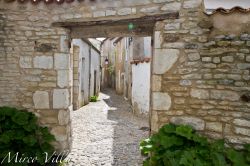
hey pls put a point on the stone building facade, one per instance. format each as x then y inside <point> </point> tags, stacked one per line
<point>141,75</point>
<point>200,73</point>
<point>130,59</point>
<point>86,71</point>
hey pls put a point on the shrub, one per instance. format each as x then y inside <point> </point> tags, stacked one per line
<point>20,133</point>
<point>182,146</point>
<point>93,98</point>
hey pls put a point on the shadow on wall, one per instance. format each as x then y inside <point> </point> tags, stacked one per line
<point>128,131</point>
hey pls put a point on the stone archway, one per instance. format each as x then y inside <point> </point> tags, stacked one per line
<point>142,27</point>
<point>34,62</point>
<point>36,39</point>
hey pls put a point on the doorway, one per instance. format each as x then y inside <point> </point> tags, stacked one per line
<point>96,121</point>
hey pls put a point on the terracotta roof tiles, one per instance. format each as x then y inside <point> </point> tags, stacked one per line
<point>226,6</point>
<point>227,11</point>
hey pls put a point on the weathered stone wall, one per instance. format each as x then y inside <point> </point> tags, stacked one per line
<point>189,66</point>
<point>105,47</point>
<point>201,71</point>
<point>119,50</point>
<point>95,72</point>
<point>2,53</point>
<point>37,54</point>
<point>77,96</point>
<point>9,71</point>
<point>81,73</point>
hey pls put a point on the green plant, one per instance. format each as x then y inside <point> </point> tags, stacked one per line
<point>20,134</point>
<point>63,163</point>
<point>93,98</point>
<point>182,146</point>
<point>111,69</point>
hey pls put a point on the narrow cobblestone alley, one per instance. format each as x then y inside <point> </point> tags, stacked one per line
<point>107,133</point>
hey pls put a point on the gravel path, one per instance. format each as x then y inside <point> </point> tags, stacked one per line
<point>106,133</point>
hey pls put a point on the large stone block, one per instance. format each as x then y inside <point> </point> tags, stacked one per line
<point>45,47</point>
<point>32,78</point>
<point>172,26</point>
<point>171,38</point>
<point>194,56</point>
<point>64,44</point>
<point>25,62</point>
<point>224,95</point>
<point>124,11</point>
<point>214,126</point>
<point>199,93</point>
<point>43,62</point>
<point>60,133</point>
<point>99,14</point>
<point>156,83</point>
<point>172,7</point>
<point>196,123</point>
<point>161,101</point>
<point>164,59</point>
<point>237,139</point>
<point>175,45</point>
<point>242,122</point>
<point>158,39</point>
<point>242,131</point>
<point>192,4</point>
<point>154,121</point>
<point>150,10</point>
<point>60,98</point>
<point>47,113</point>
<point>63,117</point>
<point>227,59</point>
<point>243,66</point>
<point>110,12</point>
<point>48,120</point>
<point>61,61</point>
<point>63,78</point>
<point>41,100</point>
<point>248,58</point>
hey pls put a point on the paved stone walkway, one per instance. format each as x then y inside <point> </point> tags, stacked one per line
<point>106,133</point>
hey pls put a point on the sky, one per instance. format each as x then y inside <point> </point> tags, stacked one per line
<point>100,39</point>
<point>227,4</point>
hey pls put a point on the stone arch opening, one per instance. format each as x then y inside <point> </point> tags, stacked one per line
<point>131,27</point>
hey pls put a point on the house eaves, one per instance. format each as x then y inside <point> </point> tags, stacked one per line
<point>226,6</point>
<point>117,40</point>
<point>90,44</point>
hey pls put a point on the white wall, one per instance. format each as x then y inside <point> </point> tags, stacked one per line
<point>84,61</point>
<point>95,65</point>
<point>147,47</point>
<point>141,87</point>
<point>83,69</point>
<point>141,77</point>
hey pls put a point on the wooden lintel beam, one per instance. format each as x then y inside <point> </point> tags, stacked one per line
<point>151,18</point>
<point>111,31</point>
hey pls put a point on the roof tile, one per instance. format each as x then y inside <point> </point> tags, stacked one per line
<point>227,11</point>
